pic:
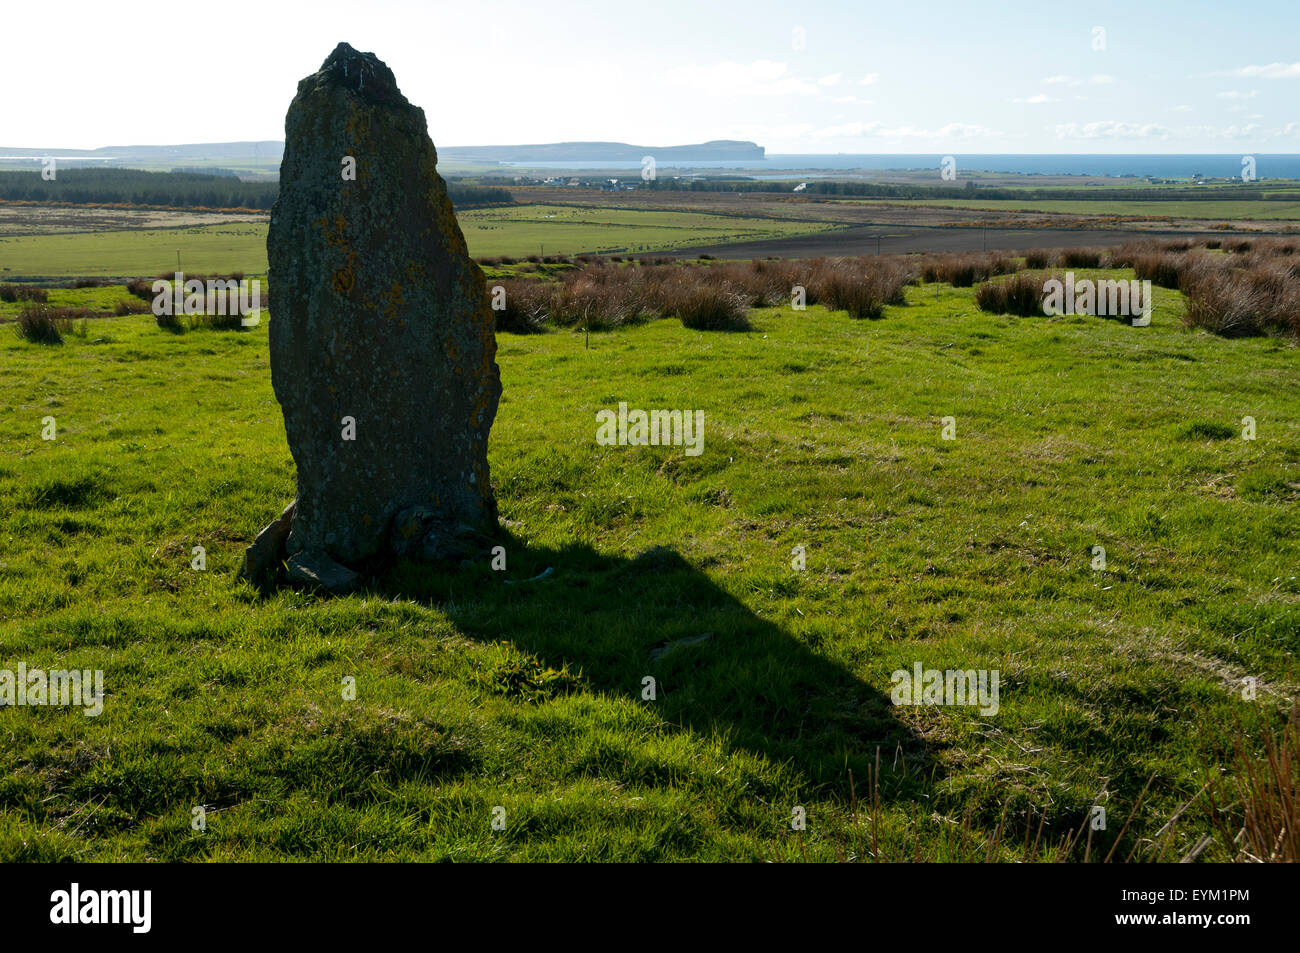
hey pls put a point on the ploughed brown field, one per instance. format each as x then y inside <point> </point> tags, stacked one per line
<point>903,239</point>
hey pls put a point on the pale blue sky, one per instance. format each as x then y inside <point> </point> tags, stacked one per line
<point>867,77</point>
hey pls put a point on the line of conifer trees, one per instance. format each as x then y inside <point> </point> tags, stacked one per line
<point>179,189</point>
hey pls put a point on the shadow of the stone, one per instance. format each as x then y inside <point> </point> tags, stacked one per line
<point>719,669</point>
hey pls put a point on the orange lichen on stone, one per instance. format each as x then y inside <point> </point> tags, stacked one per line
<point>392,300</point>
<point>334,231</point>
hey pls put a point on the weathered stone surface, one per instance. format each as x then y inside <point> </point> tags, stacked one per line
<point>409,528</point>
<point>420,533</point>
<point>381,316</point>
<point>316,570</point>
<point>262,558</point>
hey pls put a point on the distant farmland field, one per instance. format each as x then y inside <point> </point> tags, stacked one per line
<point>152,251</point>
<point>561,230</point>
<point>1204,209</point>
<point>565,230</point>
<point>55,242</point>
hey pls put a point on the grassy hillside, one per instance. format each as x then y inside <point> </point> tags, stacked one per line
<point>478,689</point>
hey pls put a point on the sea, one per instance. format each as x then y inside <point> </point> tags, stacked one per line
<point>1117,165</point>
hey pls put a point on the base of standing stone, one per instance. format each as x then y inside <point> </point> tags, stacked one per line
<point>262,559</point>
<point>415,533</point>
<point>316,570</point>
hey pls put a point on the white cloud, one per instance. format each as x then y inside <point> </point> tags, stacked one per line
<point>851,99</point>
<point>1111,129</point>
<point>786,132</point>
<point>830,80</point>
<point>1039,98</point>
<point>962,130</point>
<point>1182,109</point>
<point>1248,131</point>
<point>1269,71</point>
<point>869,79</point>
<point>759,78</point>
<point>1096,79</point>
<point>849,130</point>
<point>878,130</point>
<point>1237,94</point>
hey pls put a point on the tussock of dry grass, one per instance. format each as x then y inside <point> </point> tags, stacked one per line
<point>1245,302</point>
<point>1021,294</point>
<point>1251,287</point>
<point>716,296</point>
<point>1260,810</point>
<point>42,324</point>
<point>965,270</point>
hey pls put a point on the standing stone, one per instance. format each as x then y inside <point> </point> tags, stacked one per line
<point>382,344</point>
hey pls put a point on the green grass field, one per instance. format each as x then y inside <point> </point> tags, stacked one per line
<point>518,231</point>
<point>145,251</point>
<point>566,230</point>
<point>99,300</point>
<point>478,689</point>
